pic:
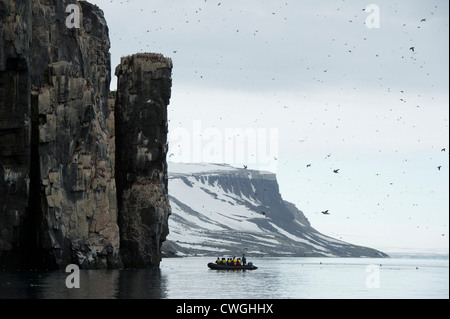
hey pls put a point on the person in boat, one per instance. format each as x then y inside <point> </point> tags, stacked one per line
<point>218,261</point>
<point>224,262</point>
<point>234,261</point>
<point>244,260</point>
<point>239,262</point>
<point>228,261</point>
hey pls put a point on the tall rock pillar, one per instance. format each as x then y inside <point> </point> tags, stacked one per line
<point>143,93</point>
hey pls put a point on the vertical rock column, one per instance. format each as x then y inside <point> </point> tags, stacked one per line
<point>71,79</point>
<point>15,128</point>
<point>58,201</point>
<point>144,89</point>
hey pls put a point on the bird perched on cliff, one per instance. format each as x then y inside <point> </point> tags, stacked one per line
<point>245,166</point>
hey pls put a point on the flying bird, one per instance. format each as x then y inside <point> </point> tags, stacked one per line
<point>336,171</point>
<point>245,166</point>
<point>412,49</point>
<point>439,167</point>
<point>326,212</point>
<point>309,165</point>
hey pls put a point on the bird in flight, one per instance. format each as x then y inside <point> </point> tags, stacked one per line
<point>336,171</point>
<point>245,166</point>
<point>412,49</point>
<point>309,165</point>
<point>326,212</point>
<point>439,167</point>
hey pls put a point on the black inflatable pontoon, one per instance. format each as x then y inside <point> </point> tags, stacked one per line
<point>215,266</point>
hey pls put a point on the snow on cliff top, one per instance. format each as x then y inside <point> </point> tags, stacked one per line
<point>197,168</point>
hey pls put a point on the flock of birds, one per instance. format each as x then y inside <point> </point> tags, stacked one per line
<point>336,171</point>
<point>414,49</point>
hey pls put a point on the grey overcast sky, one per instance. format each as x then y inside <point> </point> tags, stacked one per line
<point>308,83</point>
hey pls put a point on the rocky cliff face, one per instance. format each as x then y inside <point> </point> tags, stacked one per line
<point>219,209</point>
<point>77,184</point>
<point>141,142</point>
<point>15,126</point>
<point>58,198</point>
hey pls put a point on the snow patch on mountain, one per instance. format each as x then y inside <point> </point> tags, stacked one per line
<point>218,209</point>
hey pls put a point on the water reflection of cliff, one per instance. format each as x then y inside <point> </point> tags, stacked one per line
<point>144,283</point>
<point>94,284</point>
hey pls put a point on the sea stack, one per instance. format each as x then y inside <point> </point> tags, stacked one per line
<point>143,94</point>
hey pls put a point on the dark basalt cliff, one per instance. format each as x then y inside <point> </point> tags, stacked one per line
<point>58,196</point>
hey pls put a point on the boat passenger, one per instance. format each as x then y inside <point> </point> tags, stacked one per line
<point>228,261</point>
<point>234,261</point>
<point>224,262</point>
<point>244,260</point>
<point>218,261</point>
<point>239,261</point>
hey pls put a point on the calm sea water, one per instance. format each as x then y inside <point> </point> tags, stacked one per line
<point>277,278</point>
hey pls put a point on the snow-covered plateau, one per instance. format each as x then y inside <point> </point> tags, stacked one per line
<point>222,210</point>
